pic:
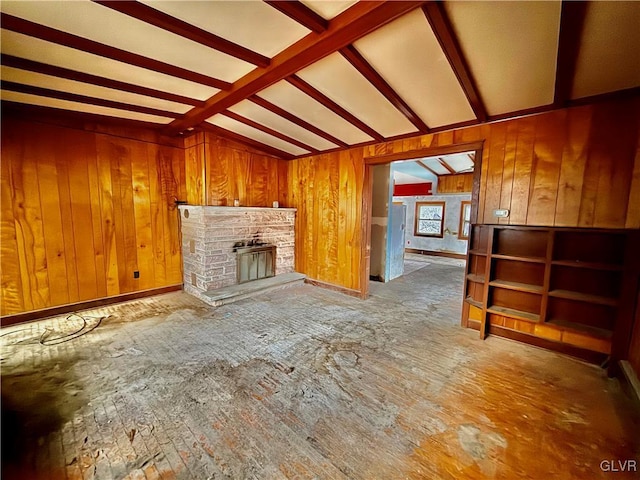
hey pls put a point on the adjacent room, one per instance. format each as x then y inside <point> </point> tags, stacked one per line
<point>320,239</point>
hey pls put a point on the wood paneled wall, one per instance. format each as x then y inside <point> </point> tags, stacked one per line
<point>634,346</point>
<point>83,210</point>
<point>327,191</point>
<point>574,167</point>
<point>460,183</point>
<point>220,170</point>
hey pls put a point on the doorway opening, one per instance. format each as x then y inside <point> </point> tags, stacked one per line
<point>420,213</point>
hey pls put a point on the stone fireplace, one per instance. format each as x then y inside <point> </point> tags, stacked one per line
<point>213,237</point>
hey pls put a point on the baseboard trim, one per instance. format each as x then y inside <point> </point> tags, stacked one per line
<point>32,315</point>
<point>630,381</point>
<point>459,256</point>
<point>335,288</point>
<point>582,353</point>
<point>473,324</point>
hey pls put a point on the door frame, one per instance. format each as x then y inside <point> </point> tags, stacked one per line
<point>367,193</point>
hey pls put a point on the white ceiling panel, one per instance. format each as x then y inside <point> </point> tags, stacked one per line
<point>511,48</point>
<point>255,134</point>
<point>408,56</point>
<point>62,84</point>
<point>265,117</point>
<point>81,107</point>
<point>101,24</point>
<point>460,162</point>
<point>34,49</point>
<point>251,24</point>
<point>328,9</point>
<point>609,57</point>
<point>336,78</point>
<point>435,165</point>
<point>303,106</point>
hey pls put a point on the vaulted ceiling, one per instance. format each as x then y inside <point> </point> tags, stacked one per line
<point>294,78</point>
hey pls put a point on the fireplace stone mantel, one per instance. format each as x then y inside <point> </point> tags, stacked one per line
<point>209,234</point>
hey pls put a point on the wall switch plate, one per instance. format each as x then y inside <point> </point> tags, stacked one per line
<point>502,213</point>
<point>136,274</point>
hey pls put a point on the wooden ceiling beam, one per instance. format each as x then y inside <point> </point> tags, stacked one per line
<point>572,16</point>
<point>444,163</point>
<point>472,156</point>
<point>441,26</point>
<point>419,162</point>
<point>270,131</point>
<point>333,106</point>
<point>300,13</point>
<point>354,23</point>
<point>52,35</point>
<point>223,132</point>
<point>52,70</point>
<point>298,121</point>
<point>367,71</point>
<point>159,19</point>
<point>73,97</point>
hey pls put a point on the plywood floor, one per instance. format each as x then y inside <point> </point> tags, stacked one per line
<point>303,383</point>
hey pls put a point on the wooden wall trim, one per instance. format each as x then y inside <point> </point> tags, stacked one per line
<point>587,355</point>
<point>630,381</point>
<point>34,315</point>
<point>435,253</point>
<point>423,152</point>
<point>333,287</point>
<point>365,242</point>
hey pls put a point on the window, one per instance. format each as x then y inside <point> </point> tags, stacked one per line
<point>465,220</point>
<point>429,219</point>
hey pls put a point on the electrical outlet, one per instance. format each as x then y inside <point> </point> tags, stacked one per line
<point>136,274</point>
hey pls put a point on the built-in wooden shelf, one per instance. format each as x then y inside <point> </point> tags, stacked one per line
<point>563,287</point>
<point>591,265</point>
<point>584,297</point>
<point>475,278</point>
<point>513,313</point>
<point>473,302</point>
<point>519,259</point>
<point>518,286</point>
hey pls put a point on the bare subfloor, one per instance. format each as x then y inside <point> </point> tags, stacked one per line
<point>303,383</point>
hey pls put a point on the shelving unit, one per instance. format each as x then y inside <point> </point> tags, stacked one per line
<point>568,289</point>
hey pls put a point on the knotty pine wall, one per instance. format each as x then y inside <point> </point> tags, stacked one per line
<point>576,167</point>
<point>460,183</point>
<point>219,170</point>
<point>82,210</point>
<point>327,191</point>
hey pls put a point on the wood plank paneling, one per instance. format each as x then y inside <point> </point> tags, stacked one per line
<point>575,167</point>
<point>81,210</point>
<point>523,162</point>
<point>327,191</point>
<point>11,287</point>
<point>572,167</point>
<point>634,346</point>
<point>547,158</point>
<point>460,183</point>
<point>220,170</point>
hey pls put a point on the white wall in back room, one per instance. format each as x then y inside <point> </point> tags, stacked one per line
<point>449,243</point>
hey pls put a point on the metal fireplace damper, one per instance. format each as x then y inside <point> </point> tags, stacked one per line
<point>256,260</point>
